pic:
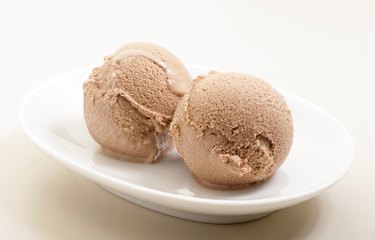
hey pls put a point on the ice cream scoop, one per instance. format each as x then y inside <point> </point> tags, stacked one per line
<point>129,101</point>
<point>232,130</point>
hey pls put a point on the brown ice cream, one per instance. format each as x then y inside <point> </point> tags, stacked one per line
<point>129,101</point>
<point>232,130</point>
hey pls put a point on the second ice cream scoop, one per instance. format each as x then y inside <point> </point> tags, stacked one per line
<point>129,101</point>
<point>232,130</point>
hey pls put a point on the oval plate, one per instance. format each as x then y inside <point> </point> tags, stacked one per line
<point>322,152</point>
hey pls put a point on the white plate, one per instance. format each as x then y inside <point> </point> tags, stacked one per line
<point>322,152</point>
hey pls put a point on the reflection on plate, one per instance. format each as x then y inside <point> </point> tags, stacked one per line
<point>322,152</point>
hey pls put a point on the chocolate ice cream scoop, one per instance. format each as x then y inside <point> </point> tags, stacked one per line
<point>232,130</point>
<point>129,101</point>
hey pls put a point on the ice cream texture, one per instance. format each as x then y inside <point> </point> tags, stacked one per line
<point>232,130</point>
<point>130,100</point>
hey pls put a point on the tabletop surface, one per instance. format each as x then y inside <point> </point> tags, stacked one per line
<point>322,51</point>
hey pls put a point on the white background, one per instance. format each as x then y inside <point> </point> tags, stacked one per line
<point>323,51</point>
